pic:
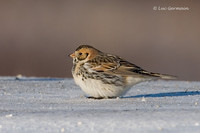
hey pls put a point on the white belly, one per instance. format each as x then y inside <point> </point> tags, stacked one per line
<point>97,89</point>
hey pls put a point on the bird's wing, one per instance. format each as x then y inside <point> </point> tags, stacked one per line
<point>118,66</point>
<point>131,69</point>
<point>104,63</point>
<point>115,65</point>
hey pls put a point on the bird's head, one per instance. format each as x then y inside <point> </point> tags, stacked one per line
<point>84,53</point>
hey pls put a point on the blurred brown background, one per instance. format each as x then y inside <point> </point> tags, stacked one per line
<point>36,36</point>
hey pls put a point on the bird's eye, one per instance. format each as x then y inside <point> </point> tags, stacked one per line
<point>87,54</point>
<point>80,53</point>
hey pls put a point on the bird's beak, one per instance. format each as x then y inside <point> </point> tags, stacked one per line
<point>72,55</point>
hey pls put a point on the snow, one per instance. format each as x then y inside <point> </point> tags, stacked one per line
<point>55,105</point>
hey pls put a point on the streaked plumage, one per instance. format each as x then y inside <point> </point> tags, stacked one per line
<point>102,75</point>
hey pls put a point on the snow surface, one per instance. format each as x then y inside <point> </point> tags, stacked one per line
<point>53,105</point>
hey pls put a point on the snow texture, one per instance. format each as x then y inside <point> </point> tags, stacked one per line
<point>54,105</point>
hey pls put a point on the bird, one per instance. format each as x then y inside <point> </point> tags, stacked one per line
<point>101,75</point>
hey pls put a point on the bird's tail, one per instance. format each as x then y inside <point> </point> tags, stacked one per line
<point>164,76</point>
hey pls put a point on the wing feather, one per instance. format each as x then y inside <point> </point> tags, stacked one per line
<point>116,65</point>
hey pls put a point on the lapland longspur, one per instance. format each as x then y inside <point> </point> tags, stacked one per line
<point>102,75</point>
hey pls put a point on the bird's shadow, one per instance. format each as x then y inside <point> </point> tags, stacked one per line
<point>167,94</point>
